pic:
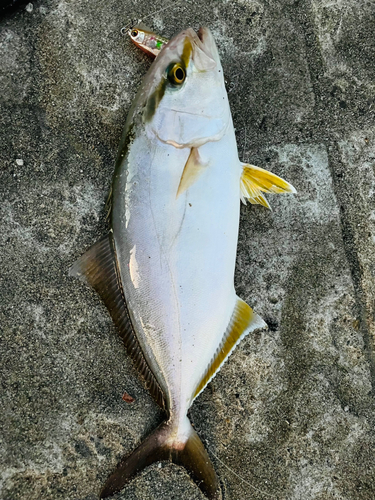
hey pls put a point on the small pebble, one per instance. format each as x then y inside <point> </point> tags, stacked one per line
<point>29,7</point>
<point>19,162</point>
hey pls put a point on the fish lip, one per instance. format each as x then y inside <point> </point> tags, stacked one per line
<point>207,44</point>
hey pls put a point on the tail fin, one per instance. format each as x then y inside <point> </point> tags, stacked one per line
<point>167,443</point>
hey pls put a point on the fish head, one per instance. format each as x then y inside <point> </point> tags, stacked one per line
<point>185,103</point>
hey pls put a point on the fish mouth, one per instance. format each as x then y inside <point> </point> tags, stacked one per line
<point>208,44</point>
<point>204,35</point>
<point>205,53</point>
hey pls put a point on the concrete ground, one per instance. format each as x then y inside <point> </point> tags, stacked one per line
<point>291,415</point>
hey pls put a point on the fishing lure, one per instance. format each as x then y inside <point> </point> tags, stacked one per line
<point>146,40</point>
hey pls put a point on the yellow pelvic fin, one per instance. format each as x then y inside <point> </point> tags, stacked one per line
<point>255,180</point>
<point>243,321</point>
<point>192,170</point>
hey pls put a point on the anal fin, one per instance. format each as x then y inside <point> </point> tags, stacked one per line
<point>243,321</point>
<point>256,180</point>
<point>98,268</point>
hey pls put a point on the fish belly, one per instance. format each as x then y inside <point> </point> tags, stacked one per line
<point>177,257</point>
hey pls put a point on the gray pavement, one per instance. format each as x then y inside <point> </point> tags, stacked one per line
<point>291,414</point>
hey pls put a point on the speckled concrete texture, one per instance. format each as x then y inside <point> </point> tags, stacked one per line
<point>291,415</point>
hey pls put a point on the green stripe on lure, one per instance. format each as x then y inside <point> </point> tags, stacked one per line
<point>166,269</point>
<point>146,40</point>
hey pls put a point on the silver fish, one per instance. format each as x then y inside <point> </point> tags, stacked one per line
<point>166,269</point>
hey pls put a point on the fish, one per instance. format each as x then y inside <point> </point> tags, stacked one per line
<point>166,268</point>
<point>147,40</point>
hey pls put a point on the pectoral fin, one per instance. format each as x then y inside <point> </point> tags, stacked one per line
<point>243,321</point>
<point>192,170</point>
<point>255,180</point>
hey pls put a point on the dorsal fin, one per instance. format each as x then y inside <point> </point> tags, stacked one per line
<point>243,321</point>
<point>98,268</point>
<point>255,180</point>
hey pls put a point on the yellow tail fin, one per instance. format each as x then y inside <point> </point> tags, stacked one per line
<point>255,180</point>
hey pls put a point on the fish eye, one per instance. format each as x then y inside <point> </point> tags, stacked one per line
<point>134,33</point>
<point>177,74</point>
